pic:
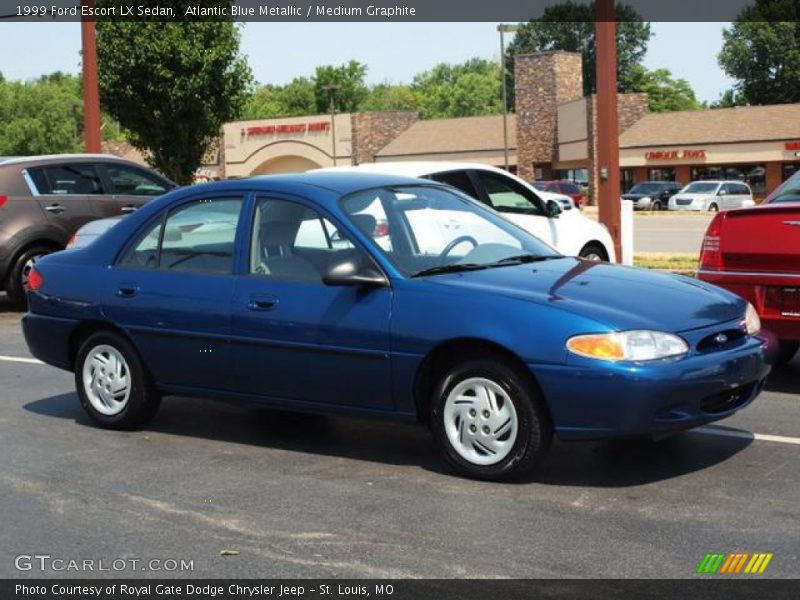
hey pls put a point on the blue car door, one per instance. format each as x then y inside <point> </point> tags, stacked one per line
<point>295,338</point>
<point>171,291</point>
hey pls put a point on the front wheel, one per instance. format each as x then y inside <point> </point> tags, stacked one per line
<point>713,207</point>
<point>113,385</point>
<point>656,205</point>
<point>489,422</point>
<point>594,251</point>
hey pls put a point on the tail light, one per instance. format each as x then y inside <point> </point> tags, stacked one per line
<point>35,280</point>
<point>381,228</point>
<point>3,199</point>
<point>710,251</point>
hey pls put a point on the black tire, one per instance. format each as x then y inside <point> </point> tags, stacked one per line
<point>15,285</point>
<point>143,400</point>
<point>594,251</point>
<point>534,426</point>
<point>713,207</point>
<point>786,352</point>
<point>656,205</point>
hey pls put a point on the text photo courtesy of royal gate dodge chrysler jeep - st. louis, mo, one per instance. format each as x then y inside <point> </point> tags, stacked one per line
<point>399,301</point>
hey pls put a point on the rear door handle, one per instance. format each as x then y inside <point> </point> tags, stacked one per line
<point>127,290</point>
<point>262,303</point>
<point>54,208</point>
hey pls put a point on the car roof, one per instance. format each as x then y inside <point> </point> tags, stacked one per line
<point>717,181</point>
<point>414,168</point>
<point>341,182</point>
<point>45,158</point>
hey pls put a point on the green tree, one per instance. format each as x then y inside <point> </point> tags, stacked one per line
<point>42,116</point>
<point>294,99</point>
<point>570,26</point>
<point>171,85</point>
<point>352,90</point>
<point>761,52</point>
<point>384,96</point>
<point>664,92</point>
<point>728,99</point>
<point>469,89</point>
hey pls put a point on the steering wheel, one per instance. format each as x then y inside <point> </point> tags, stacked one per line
<point>462,238</point>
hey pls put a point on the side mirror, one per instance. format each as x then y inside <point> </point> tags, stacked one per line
<point>722,193</point>
<point>552,209</point>
<point>349,273</point>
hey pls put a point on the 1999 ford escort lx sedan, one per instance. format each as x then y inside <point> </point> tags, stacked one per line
<point>311,292</point>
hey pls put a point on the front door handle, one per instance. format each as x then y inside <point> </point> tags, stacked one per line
<point>54,208</point>
<point>127,290</point>
<point>262,303</point>
<point>128,209</point>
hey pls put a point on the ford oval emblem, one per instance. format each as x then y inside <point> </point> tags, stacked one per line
<point>720,339</point>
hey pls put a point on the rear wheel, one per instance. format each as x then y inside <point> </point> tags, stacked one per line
<point>594,251</point>
<point>113,385</point>
<point>18,277</point>
<point>786,352</point>
<point>713,207</point>
<point>489,422</point>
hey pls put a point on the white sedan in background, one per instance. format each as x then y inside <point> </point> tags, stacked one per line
<point>540,213</point>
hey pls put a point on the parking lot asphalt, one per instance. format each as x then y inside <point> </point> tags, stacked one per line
<point>667,233</point>
<point>308,496</point>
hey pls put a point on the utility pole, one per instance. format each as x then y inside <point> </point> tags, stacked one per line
<point>91,92</point>
<point>607,150</point>
<point>332,87</point>
<point>505,28</point>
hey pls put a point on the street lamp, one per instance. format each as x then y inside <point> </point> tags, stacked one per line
<point>505,28</point>
<point>332,87</point>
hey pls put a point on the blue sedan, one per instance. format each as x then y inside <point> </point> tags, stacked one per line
<point>391,297</point>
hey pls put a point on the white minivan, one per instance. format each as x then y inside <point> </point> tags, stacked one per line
<point>712,196</point>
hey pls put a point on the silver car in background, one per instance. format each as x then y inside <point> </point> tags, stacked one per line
<point>712,196</point>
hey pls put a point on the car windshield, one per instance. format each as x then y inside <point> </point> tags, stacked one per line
<point>646,188</point>
<point>790,192</point>
<point>700,187</point>
<point>426,230</point>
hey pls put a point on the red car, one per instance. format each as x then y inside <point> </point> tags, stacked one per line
<point>567,188</point>
<point>755,252</point>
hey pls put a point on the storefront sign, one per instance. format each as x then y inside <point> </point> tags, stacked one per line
<point>315,126</point>
<point>792,145</point>
<point>675,155</point>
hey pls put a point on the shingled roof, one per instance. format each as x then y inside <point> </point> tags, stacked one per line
<point>720,125</point>
<point>464,134</point>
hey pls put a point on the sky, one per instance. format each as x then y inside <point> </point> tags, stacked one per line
<point>393,52</point>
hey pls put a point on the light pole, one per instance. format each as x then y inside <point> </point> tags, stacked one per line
<point>332,87</point>
<point>505,28</point>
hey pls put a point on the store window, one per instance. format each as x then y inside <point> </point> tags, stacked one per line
<point>661,175</point>
<point>788,170</point>
<point>626,180</point>
<point>754,175</point>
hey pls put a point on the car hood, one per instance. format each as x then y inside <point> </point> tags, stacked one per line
<point>637,196</point>
<point>616,296</point>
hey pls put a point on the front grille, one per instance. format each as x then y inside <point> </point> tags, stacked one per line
<point>728,400</point>
<point>719,340</point>
<point>683,201</point>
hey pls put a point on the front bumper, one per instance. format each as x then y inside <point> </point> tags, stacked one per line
<point>594,399</point>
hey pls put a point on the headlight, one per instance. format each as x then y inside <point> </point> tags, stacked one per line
<point>645,199</point>
<point>628,345</point>
<point>752,322</point>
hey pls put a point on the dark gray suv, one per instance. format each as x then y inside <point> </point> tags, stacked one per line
<point>45,199</point>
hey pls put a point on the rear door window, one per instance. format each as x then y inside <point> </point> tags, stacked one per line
<point>69,180</point>
<point>458,179</point>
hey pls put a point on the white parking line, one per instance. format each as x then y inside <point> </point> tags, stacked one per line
<point>740,433</point>
<point>32,361</point>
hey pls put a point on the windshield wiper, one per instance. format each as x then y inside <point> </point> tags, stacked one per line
<point>523,259</point>
<point>454,268</point>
